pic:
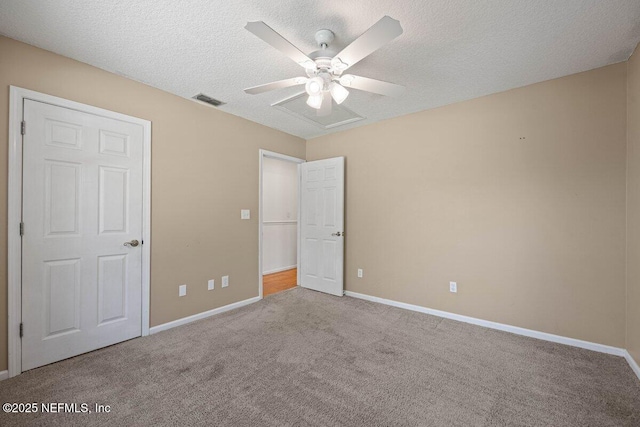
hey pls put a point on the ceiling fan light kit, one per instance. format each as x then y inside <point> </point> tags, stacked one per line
<point>338,92</point>
<point>315,101</point>
<point>315,86</point>
<point>324,67</point>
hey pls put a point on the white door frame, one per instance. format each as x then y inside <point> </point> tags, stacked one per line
<point>274,155</point>
<point>14,245</point>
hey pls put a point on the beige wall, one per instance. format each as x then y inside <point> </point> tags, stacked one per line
<point>633,206</point>
<point>204,170</point>
<point>517,196</point>
<point>533,229</point>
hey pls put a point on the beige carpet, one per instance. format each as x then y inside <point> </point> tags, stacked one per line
<point>304,358</point>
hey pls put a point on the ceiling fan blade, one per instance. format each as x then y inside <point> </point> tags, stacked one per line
<point>381,33</point>
<point>270,36</point>
<point>327,104</point>
<point>371,85</point>
<point>276,85</point>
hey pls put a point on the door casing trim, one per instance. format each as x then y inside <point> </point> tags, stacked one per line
<point>17,96</point>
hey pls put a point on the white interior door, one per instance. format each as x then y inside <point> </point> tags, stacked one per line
<point>322,225</point>
<point>82,201</point>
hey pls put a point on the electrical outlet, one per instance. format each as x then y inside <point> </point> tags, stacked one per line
<point>182,290</point>
<point>211,284</point>
<point>360,272</point>
<point>453,287</point>
<point>225,281</point>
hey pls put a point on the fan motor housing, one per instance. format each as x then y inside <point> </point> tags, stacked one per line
<point>323,65</point>
<point>323,53</point>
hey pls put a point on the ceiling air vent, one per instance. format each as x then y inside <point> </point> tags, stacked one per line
<point>209,100</point>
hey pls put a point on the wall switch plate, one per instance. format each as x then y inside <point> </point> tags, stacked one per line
<point>211,284</point>
<point>225,281</point>
<point>245,214</point>
<point>182,290</point>
<point>359,272</point>
<point>453,287</point>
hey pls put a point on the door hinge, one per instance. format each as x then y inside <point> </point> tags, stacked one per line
<point>23,127</point>
<point>21,329</point>
<point>22,228</point>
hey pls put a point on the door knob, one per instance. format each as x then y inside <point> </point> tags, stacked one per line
<point>337,234</point>
<point>132,243</point>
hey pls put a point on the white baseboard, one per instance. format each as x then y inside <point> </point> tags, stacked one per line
<point>632,363</point>
<point>278,270</point>
<point>203,315</point>
<point>601,348</point>
<point>4,375</point>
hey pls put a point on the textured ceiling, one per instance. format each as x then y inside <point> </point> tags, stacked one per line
<point>451,50</point>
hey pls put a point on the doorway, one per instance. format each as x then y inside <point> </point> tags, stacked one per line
<point>278,219</point>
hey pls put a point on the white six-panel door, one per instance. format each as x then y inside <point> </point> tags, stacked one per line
<point>82,201</point>
<point>322,225</point>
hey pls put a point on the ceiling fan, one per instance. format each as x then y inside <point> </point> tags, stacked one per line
<point>324,67</point>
